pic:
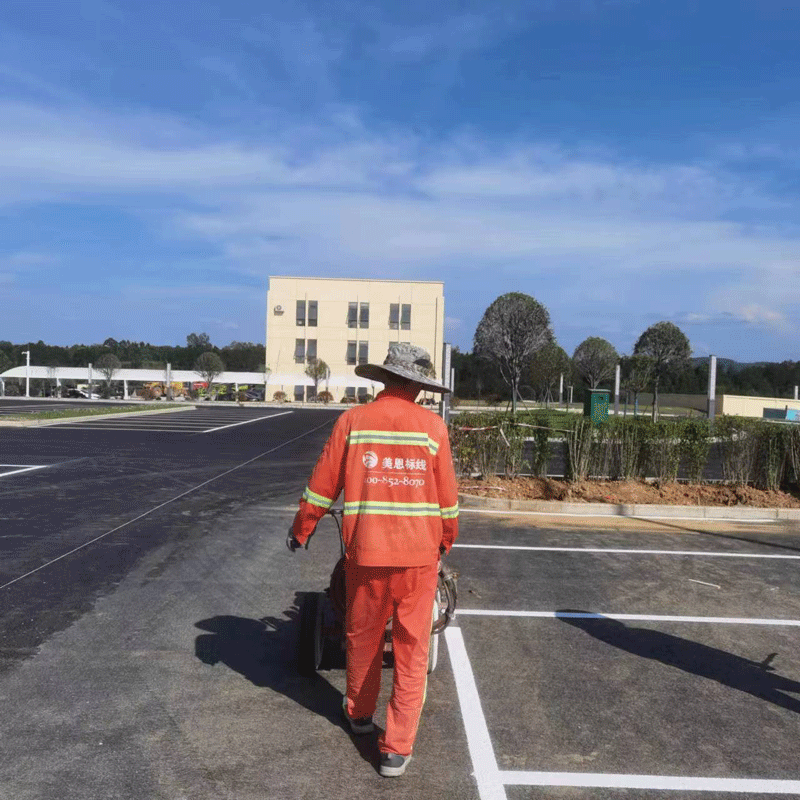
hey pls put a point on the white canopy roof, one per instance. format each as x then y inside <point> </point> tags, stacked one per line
<point>147,375</point>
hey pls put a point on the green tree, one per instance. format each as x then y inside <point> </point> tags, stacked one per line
<point>209,366</point>
<point>512,329</point>
<point>107,365</point>
<point>637,373</point>
<point>545,368</point>
<point>668,348</point>
<point>595,360</point>
<point>199,341</point>
<point>244,356</point>
<point>317,370</point>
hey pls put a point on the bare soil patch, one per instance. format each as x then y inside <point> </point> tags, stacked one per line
<point>629,492</point>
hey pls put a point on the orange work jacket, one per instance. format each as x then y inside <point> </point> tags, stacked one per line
<point>392,459</point>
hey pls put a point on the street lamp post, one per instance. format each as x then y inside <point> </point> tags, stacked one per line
<point>27,372</point>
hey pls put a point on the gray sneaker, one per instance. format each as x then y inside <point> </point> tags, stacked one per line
<point>393,765</point>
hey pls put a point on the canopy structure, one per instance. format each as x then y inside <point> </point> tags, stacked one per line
<point>142,375</point>
<point>282,381</point>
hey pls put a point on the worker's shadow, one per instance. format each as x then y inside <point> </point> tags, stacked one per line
<point>264,651</point>
<point>752,677</point>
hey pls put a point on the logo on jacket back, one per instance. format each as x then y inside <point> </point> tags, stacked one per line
<point>370,459</point>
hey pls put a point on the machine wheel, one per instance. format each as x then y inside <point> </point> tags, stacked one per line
<point>312,644</point>
<point>433,649</point>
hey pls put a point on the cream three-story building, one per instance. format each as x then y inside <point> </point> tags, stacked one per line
<point>344,323</point>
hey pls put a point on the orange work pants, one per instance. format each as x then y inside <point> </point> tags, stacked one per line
<point>373,595</point>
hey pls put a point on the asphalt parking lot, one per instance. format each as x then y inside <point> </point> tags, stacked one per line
<point>149,621</point>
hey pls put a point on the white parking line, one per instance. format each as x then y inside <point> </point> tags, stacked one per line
<point>22,468</point>
<point>248,421</point>
<point>663,782</point>
<point>487,776</point>
<point>475,612</point>
<point>492,782</point>
<point>85,427</point>
<point>710,554</point>
<point>556,513</point>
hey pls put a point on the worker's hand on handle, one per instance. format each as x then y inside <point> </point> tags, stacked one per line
<point>292,543</point>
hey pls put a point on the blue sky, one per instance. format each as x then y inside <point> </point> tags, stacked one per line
<point>622,161</point>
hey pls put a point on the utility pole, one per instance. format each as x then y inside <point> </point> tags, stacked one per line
<point>616,389</point>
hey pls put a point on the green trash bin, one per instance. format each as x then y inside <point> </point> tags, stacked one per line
<point>596,405</point>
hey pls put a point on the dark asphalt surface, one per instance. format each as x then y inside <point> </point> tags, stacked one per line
<point>157,661</point>
<point>98,480</point>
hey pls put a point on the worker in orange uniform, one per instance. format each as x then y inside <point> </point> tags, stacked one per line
<point>392,459</point>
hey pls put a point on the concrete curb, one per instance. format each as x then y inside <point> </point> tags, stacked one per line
<point>648,511</point>
<point>24,423</point>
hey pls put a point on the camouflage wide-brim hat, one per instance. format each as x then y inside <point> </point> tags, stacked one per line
<point>407,361</point>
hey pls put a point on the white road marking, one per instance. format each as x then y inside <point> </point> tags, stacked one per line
<point>115,428</point>
<point>165,503</point>
<point>704,583</point>
<point>21,469</point>
<point>492,781</point>
<point>709,553</point>
<point>657,782</point>
<point>475,612</point>
<point>556,513</point>
<point>487,776</point>
<point>248,421</point>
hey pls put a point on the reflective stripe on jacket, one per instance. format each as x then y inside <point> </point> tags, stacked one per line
<point>392,459</point>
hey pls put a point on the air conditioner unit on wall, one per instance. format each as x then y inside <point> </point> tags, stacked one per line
<point>278,309</point>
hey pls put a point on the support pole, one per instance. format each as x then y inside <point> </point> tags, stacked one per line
<point>712,387</point>
<point>90,381</point>
<point>124,388</point>
<point>795,392</point>
<point>561,388</point>
<point>2,387</point>
<point>616,389</point>
<point>445,401</point>
<point>27,373</point>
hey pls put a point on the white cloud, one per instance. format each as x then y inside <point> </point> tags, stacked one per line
<point>340,199</point>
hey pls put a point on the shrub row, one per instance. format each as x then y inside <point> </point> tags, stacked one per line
<point>764,454</point>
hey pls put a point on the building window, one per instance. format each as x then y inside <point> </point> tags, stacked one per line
<point>405,317</point>
<point>311,319</point>
<point>299,391</point>
<point>352,315</point>
<point>362,391</point>
<point>363,316</point>
<point>299,351</point>
<point>350,392</point>
<point>351,352</point>
<point>363,352</point>
<point>394,316</point>
<point>311,349</point>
